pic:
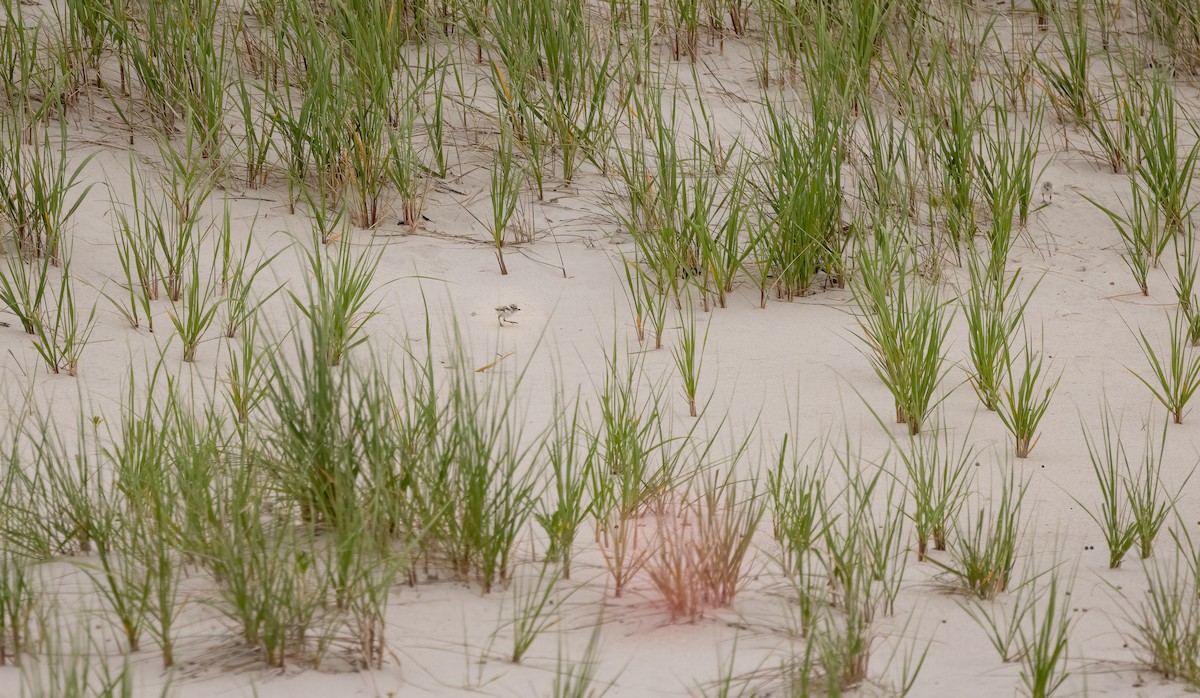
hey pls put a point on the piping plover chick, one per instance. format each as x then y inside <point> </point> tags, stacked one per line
<point>504,312</point>
<point>1047,192</point>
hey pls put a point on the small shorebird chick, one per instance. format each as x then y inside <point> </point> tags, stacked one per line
<point>1047,192</point>
<point>504,312</point>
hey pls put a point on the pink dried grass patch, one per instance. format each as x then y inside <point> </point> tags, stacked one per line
<point>703,545</point>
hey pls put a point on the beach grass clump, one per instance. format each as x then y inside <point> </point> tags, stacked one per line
<point>863,550</point>
<point>1166,621</point>
<point>1043,640</point>
<point>196,311</point>
<point>890,177</point>
<point>785,31</point>
<point>136,231</point>
<point>905,325</point>
<point>60,337</point>
<point>726,247</point>
<point>986,544</point>
<point>1142,234</point>
<point>843,646</point>
<point>1186,266</point>
<point>1003,619</point>
<point>802,196</point>
<point>1068,78</point>
<point>369,70</point>
<point>339,291</point>
<point>270,590</point>
<point>954,124</point>
<point>1175,24</point>
<point>405,169</point>
<point>504,193</point>
<point>1175,373</point>
<point>60,507</point>
<point>73,664</point>
<point>573,98</point>
<point>325,432</point>
<point>685,24</point>
<point>47,309</point>
<point>1026,398</point>
<point>1166,167</point>
<point>310,464</point>
<point>648,300</point>
<point>24,288</point>
<point>689,355</point>
<point>1135,502</point>
<point>294,520</point>
<point>532,46</point>
<point>256,144</point>
<point>40,190</point>
<point>246,375</point>
<point>17,603</point>
<point>122,581</point>
<point>345,103</point>
<point>237,276</point>
<point>536,609</point>
<point>1007,170</point>
<point>180,229</point>
<point>223,523</point>
<point>1110,463</point>
<point>994,309</point>
<point>23,56</point>
<point>1108,126</point>
<point>1150,501</point>
<point>492,491</point>
<point>861,553</point>
<point>137,565</point>
<point>799,508</point>
<point>474,485</point>
<point>939,479</point>
<point>578,679</point>
<point>572,456</point>
<point>639,463</point>
<point>512,55</point>
<point>675,199</point>
<point>178,53</point>
<point>862,564</point>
